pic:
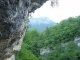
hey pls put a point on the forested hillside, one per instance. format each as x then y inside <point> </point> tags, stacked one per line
<point>53,37</point>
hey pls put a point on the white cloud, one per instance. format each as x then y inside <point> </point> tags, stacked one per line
<point>66,8</point>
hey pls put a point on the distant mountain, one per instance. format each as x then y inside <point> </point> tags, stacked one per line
<point>40,23</point>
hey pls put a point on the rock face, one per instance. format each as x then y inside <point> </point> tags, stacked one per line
<point>13,19</point>
<point>44,51</point>
<point>77,41</point>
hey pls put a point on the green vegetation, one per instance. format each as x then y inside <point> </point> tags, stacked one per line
<point>71,52</point>
<point>52,37</point>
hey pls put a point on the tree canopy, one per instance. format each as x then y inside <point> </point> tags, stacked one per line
<point>52,37</point>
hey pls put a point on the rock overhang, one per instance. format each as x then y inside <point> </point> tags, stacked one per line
<point>13,19</point>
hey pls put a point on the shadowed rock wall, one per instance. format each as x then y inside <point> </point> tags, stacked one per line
<point>13,19</point>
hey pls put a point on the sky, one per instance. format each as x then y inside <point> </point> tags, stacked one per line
<point>65,9</point>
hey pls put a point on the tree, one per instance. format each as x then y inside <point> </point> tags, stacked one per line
<point>25,54</point>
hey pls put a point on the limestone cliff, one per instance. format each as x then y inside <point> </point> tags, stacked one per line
<point>13,19</point>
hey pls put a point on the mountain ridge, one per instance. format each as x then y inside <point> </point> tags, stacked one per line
<point>40,23</point>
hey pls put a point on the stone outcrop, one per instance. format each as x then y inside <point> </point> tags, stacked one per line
<point>77,41</point>
<point>13,19</point>
<point>44,51</point>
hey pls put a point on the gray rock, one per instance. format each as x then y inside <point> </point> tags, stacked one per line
<point>13,19</point>
<point>77,41</point>
<point>44,51</point>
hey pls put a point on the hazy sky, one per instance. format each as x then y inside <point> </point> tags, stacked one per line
<point>66,8</point>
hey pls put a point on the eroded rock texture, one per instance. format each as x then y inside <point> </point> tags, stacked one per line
<point>13,19</point>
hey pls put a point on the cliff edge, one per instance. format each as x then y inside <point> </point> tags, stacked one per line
<point>13,19</point>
